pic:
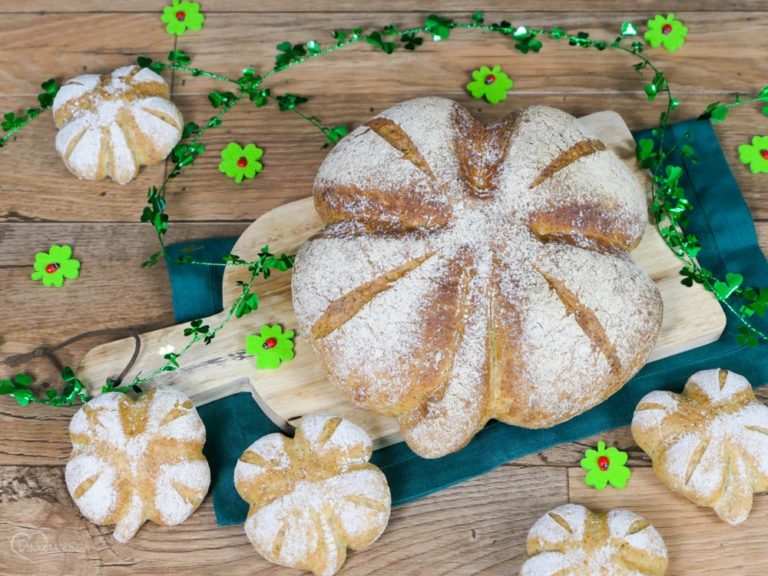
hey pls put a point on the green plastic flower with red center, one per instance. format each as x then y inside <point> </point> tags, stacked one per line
<point>490,83</point>
<point>666,31</point>
<point>54,266</point>
<point>606,466</point>
<point>755,155</point>
<point>182,16</point>
<point>241,162</point>
<point>271,346</point>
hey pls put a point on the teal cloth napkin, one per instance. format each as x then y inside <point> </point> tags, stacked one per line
<point>723,223</point>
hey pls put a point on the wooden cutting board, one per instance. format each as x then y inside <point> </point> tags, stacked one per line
<point>692,318</point>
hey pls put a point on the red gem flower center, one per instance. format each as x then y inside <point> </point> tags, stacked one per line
<point>666,29</point>
<point>490,79</point>
<point>764,153</point>
<point>603,463</point>
<point>180,16</point>
<point>52,267</point>
<point>269,343</point>
<point>242,162</point>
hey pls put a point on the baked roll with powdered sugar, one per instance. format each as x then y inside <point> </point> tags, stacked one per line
<point>469,272</point>
<point>111,124</point>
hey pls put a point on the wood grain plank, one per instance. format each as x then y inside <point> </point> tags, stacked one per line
<point>442,6</point>
<point>96,43</point>
<point>698,542</point>
<point>293,152</point>
<point>476,527</point>
<point>112,290</point>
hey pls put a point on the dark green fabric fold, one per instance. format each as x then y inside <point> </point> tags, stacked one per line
<point>724,225</point>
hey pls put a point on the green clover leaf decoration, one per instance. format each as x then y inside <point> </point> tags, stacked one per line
<point>606,466</point>
<point>491,84</point>
<point>182,16</point>
<point>666,31</point>
<point>271,346</point>
<point>54,266</point>
<point>755,155</point>
<point>241,162</point>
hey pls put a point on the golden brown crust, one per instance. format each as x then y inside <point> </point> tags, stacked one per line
<point>709,443</point>
<point>314,495</point>
<point>515,299</point>
<point>574,541</point>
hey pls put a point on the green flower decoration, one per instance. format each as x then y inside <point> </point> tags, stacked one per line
<point>238,162</point>
<point>606,466</point>
<point>271,346</point>
<point>182,16</point>
<point>666,31</point>
<point>490,83</point>
<point>755,154</point>
<point>54,266</point>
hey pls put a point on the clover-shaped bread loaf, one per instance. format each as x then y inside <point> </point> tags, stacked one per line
<point>111,124</point>
<point>469,272</point>
<point>137,461</point>
<point>314,495</point>
<point>571,540</point>
<point>709,443</point>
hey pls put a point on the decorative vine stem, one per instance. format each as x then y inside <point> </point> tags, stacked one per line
<point>669,205</point>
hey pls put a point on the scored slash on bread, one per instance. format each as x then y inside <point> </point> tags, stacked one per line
<point>572,540</point>
<point>478,271</point>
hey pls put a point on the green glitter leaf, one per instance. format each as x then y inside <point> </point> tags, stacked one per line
<point>290,101</point>
<point>628,29</point>
<point>719,114</point>
<point>179,57</point>
<point>219,99</point>
<point>411,41</point>
<point>375,39</point>
<point>439,27</point>
<point>731,284</point>
<point>289,53</point>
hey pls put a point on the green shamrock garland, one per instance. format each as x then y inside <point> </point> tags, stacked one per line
<point>669,205</point>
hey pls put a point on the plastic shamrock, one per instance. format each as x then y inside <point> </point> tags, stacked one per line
<point>606,466</point>
<point>238,162</point>
<point>755,154</point>
<point>490,83</point>
<point>54,266</point>
<point>666,31</point>
<point>271,346</point>
<point>182,16</point>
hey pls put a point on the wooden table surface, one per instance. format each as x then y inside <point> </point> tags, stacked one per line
<point>476,527</point>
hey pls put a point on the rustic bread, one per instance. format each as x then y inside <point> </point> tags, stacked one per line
<point>111,124</point>
<point>137,461</point>
<point>574,541</point>
<point>314,495</point>
<point>470,272</point>
<point>709,443</point>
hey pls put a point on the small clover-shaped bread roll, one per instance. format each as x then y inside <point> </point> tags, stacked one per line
<point>137,461</point>
<point>571,540</point>
<point>109,125</point>
<point>709,443</point>
<point>313,496</point>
